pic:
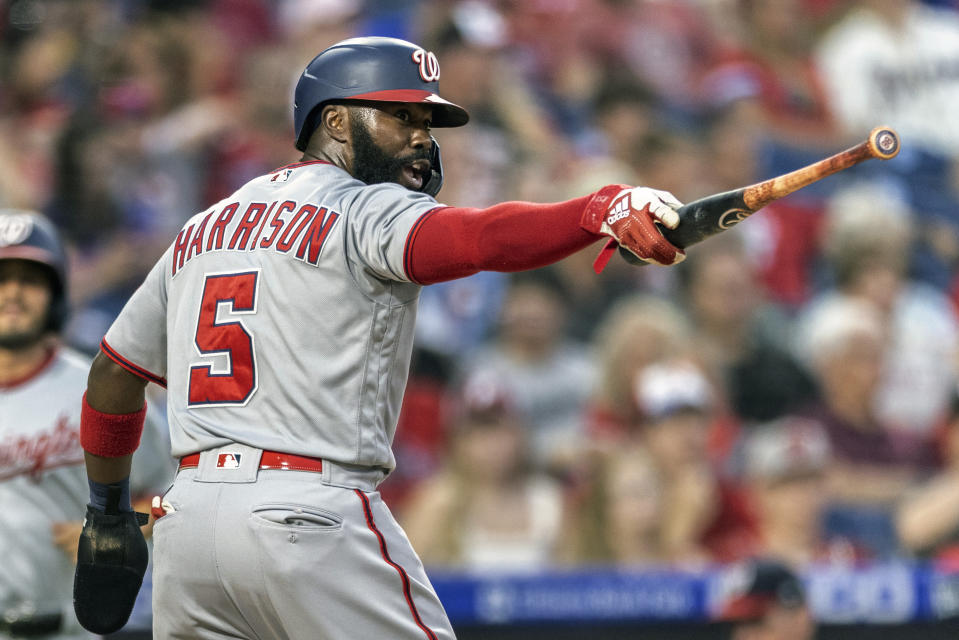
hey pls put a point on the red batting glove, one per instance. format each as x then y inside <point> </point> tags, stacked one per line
<point>630,221</point>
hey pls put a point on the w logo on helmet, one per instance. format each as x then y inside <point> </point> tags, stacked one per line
<point>429,65</point>
<point>16,227</point>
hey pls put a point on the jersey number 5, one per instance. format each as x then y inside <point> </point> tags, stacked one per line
<point>235,293</point>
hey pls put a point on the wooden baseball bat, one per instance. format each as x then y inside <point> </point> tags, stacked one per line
<point>707,216</point>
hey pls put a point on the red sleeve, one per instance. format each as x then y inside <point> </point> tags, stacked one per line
<point>454,242</point>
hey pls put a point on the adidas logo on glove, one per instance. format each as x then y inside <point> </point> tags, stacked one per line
<point>618,210</point>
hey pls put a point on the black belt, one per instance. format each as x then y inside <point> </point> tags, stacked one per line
<point>22,625</point>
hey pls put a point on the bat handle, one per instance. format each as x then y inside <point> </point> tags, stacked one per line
<point>700,219</point>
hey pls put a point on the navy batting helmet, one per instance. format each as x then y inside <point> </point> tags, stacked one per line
<point>26,235</point>
<point>375,69</point>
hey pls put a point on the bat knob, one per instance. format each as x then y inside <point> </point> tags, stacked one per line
<point>883,143</point>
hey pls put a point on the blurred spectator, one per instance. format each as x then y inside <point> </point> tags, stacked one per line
<point>551,376</point>
<point>671,159</point>
<point>617,516</point>
<point>845,343</point>
<point>487,508</point>
<point>312,25</point>
<point>638,331</point>
<point>706,514</point>
<point>771,65</point>
<point>767,601</point>
<point>875,466</point>
<point>624,115</point>
<point>866,243</point>
<point>787,463</point>
<point>248,133</point>
<point>739,335</point>
<point>891,62</point>
<point>39,86</point>
<point>668,46</point>
<point>932,184</point>
<point>651,494</point>
<point>927,519</point>
<point>565,78</point>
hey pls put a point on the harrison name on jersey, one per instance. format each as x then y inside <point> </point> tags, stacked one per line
<point>261,226</point>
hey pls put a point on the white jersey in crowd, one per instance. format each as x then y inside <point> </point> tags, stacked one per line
<point>905,76</point>
<point>282,318</point>
<point>43,481</point>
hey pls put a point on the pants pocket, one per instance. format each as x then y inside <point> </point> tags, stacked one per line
<point>298,517</point>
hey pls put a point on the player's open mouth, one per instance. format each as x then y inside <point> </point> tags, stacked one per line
<point>415,174</point>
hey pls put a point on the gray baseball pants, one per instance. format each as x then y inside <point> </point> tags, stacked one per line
<point>279,554</point>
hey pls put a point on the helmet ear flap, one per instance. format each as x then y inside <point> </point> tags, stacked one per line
<point>309,126</point>
<point>432,186</point>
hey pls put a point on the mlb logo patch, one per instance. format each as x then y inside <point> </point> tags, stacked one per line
<point>228,461</point>
<point>282,176</point>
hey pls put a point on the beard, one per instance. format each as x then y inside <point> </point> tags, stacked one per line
<point>24,338</point>
<point>371,164</point>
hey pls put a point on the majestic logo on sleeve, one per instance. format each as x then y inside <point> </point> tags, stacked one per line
<point>15,229</point>
<point>429,65</point>
<point>34,454</point>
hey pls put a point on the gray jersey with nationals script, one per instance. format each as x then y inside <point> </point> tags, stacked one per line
<point>282,318</point>
<point>42,482</point>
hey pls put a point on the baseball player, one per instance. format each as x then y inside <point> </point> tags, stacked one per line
<point>281,322</point>
<point>41,462</point>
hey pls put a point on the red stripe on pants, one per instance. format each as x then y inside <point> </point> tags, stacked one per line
<point>386,556</point>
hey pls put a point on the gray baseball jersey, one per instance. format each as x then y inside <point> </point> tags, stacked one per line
<point>43,481</point>
<point>281,319</point>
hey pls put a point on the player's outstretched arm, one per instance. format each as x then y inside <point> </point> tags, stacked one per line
<point>454,242</point>
<point>112,553</point>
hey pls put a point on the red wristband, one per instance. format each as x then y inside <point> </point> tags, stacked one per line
<point>110,435</point>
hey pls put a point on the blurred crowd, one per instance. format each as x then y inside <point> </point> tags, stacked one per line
<point>790,390</point>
